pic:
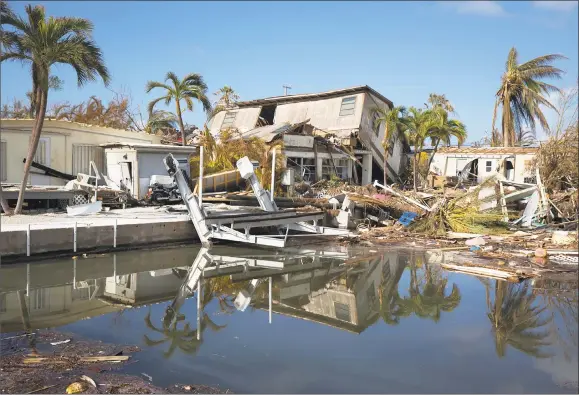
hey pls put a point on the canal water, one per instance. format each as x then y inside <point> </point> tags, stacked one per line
<point>309,319</point>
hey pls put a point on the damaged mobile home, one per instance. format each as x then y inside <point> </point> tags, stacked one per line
<point>476,164</point>
<point>324,134</point>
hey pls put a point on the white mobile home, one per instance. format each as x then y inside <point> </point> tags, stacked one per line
<point>479,163</point>
<point>65,146</point>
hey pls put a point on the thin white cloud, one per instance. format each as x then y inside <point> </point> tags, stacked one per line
<point>556,5</point>
<point>484,8</point>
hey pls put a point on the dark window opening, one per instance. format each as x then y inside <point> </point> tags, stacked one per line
<point>266,115</point>
<point>489,166</point>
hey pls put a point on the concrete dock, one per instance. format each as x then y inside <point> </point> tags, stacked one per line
<point>22,235</point>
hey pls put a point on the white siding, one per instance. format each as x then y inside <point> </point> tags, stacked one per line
<point>82,155</point>
<point>3,172</point>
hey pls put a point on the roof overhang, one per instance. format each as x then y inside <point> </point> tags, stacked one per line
<point>151,147</point>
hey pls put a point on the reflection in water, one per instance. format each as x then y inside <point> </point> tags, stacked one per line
<point>517,320</point>
<point>539,320</point>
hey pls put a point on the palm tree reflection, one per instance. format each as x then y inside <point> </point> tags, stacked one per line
<point>517,320</point>
<point>427,296</point>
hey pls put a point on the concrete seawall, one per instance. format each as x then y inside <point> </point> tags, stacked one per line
<point>55,234</point>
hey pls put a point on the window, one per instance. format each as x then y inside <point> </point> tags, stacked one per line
<point>530,180</point>
<point>3,161</point>
<point>82,155</point>
<point>229,119</point>
<point>489,166</point>
<point>375,124</point>
<point>305,168</point>
<point>342,311</point>
<point>348,106</point>
<point>340,170</point>
<point>41,155</point>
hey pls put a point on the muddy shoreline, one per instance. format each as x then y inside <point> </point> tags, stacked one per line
<point>60,364</point>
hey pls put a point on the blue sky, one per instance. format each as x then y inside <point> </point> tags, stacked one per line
<point>405,50</point>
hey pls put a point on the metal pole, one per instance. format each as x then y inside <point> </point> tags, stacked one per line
<point>272,173</point>
<point>200,183</point>
<point>74,235</point>
<point>115,266</point>
<point>27,279</point>
<point>270,301</point>
<point>28,240</point>
<point>199,293</point>
<point>115,234</point>
<point>74,274</point>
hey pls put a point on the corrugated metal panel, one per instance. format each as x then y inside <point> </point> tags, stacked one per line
<point>83,154</point>
<point>3,161</point>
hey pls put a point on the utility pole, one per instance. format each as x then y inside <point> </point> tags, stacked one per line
<point>285,88</point>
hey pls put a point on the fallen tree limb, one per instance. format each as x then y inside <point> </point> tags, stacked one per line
<point>107,358</point>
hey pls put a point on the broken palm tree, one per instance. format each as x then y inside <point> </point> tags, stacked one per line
<point>461,214</point>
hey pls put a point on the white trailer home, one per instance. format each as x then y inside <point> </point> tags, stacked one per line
<point>479,163</point>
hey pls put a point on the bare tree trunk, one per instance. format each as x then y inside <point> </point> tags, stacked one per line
<point>415,169</point>
<point>385,145</point>
<point>508,127</point>
<point>494,117</point>
<point>180,118</point>
<point>5,207</point>
<point>36,131</point>
<point>433,153</point>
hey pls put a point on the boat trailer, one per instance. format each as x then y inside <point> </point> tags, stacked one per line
<point>223,226</point>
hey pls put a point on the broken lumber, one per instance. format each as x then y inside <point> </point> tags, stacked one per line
<point>104,358</point>
<point>482,271</point>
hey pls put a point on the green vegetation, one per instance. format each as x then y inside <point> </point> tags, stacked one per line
<point>43,42</point>
<point>191,87</point>
<point>393,121</point>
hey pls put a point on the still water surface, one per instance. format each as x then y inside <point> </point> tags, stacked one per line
<point>341,321</point>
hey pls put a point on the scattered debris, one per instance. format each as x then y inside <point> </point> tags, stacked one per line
<point>60,342</point>
<point>147,376</point>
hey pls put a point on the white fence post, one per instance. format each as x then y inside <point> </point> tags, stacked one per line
<point>272,174</point>
<point>270,301</point>
<point>74,235</point>
<point>115,234</point>
<point>28,240</point>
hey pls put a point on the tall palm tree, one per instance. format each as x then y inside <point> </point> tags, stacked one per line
<point>418,126</point>
<point>190,87</point>
<point>522,93</point>
<point>393,120</point>
<point>436,100</point>
<point>227,97</point>
<point>516,319</point>
<point>43,42</point>
<point>444,130</point>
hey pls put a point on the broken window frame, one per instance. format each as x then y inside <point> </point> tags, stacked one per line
<point>306,171</point>
<point>342,310</point>
<point>376,127</point>
<point>228,120</point>
<point>341,167</point>
<point>348,106</point>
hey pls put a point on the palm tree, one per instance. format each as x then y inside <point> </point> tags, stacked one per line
<point>522,93</point>
<point>227,97</point>
<point>418,126</point>
<point>43,42</point>
<point>435,100</point>
<point>516,318</point>
<point>389,298</point>
<point>444,130</point>
<point>393,120</point>
<point>190,87</point>
<point>524,137</point>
